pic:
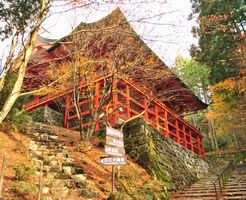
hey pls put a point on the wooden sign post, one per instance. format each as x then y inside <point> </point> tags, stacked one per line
<point>114,151</point>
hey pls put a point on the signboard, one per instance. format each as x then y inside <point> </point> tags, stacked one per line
<point>113,161</point>
<point>114,151</point>
<point>114,148</point>
<point>114,141</point>
<point>114,133</point>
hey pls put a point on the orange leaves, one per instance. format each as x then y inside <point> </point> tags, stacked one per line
<point>237,83</point>
<point>228,108</point>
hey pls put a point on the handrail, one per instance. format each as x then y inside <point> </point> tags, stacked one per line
<point>221,180</point>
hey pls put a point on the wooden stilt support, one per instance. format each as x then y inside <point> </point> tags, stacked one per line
<point>67,108</point>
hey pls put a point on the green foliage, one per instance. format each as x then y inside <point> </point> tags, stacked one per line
<point>222,142</point>
<point>16,16</point>
<point>23,188</point>
<point>8,86</point>
<point>155,189</point>
<point>194,75</point>
<point>15,115</point>
<point>119,196</point>
<point>18,117</point>
<point>222,23</point>
<point>207,145</point>
<point>23,172</point>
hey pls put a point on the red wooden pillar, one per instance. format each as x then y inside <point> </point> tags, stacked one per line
<point>36,99</point>
<point>128,115</point>
<point>146,108</point>
<point>166,122</point>
<point>191,142</point>
<point>67,107</point>
<point>97,95</point>
<point>184,137</point>
<point>177,131</point>
<point>156,117</point>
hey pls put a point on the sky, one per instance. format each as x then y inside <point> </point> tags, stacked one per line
<point>162,24</point>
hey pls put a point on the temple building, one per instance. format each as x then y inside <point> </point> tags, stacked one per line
<point>139,81</point>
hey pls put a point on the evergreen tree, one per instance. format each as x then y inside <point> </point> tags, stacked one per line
<point>221,35</point>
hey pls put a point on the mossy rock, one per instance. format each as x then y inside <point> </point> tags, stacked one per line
<point>119,196</point>
<point>89,193</point>
<point>82,184</point>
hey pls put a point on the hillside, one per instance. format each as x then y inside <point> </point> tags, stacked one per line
<point>131,180</point>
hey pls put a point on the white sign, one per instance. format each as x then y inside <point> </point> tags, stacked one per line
<point>114,151</point>
<point>114,142</point>
<point>114,133</point>
<point>114,148</point>
<point>113,161</point>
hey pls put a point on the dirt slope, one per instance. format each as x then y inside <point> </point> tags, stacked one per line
<point>131,181</point>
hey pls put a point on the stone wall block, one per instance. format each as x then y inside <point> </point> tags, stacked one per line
<point>162,157</point>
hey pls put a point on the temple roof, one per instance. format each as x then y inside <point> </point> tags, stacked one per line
<point>114,39</point>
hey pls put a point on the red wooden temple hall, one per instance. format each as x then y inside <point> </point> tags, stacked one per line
<point>147,84</point>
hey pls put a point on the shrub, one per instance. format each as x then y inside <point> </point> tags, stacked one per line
<point>23,173</point>
<point>23,188</point>
<point>18,117</point>
<point>119,196</point>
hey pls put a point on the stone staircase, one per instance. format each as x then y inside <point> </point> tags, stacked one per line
<point>61,178</point>
<point>234,188</point>
<point>201,190</point>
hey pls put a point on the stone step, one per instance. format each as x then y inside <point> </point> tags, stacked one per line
<point>198,189</point>
<point>60,176</point>
<point>235,193</point>
<point>235,198</point>
<point>71,183</point>
<point>58,192</point>
<point>194,198</point>
<point>242,189</point>
<point>235,185</point>
<point>196,195</point>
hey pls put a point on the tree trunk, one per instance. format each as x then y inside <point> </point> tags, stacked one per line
<point>15,93</point>
<point>2,80</point>
<point>212,133</point>
<point>8,63</point>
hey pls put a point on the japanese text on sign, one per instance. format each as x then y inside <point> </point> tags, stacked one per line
<point>114,151</point>
<point>114,142</point>
<point>114,133</point>
<point>113,161</point>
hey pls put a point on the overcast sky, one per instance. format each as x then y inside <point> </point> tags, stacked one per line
<point>162,24</point>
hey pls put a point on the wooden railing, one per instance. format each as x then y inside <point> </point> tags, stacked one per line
<point>129,100</point>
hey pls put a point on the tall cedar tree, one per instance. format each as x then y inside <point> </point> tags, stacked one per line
<point>221,31</point>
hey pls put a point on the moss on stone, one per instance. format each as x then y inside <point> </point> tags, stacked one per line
<point>163,158</point>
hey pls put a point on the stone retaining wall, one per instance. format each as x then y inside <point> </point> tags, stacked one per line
<point>163,158</point>
<point>48,116</point>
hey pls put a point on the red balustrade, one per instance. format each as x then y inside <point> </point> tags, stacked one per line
<point>128,101</point>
